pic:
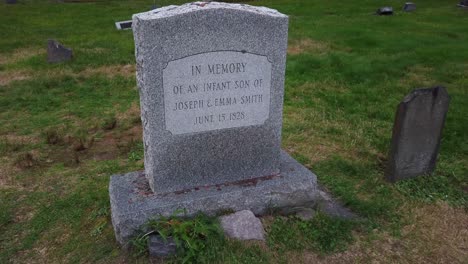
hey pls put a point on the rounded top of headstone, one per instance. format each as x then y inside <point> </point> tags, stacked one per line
<point>174,10</point>
<point>436,92</point>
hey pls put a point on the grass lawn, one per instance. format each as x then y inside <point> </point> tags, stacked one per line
<point>65,128</point>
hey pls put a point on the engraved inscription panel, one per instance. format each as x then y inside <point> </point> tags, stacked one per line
<point>216,90</point>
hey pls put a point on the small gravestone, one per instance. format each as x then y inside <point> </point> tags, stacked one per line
<point>211,81</point>
<point>243,225</point>
<point>463,3</point>
<point>160,247</point>
<point>11,1</point>
<point>385,11</point>
<point>417,132</point>
<point>409,7</point>
<point>123,25</point>
<point>56,52</point>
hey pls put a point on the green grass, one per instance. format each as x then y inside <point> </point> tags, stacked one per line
<point>64,128</point>
<point>322,234</point>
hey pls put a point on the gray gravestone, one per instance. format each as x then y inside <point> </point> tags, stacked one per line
<point>211,80</point>
<point>56,52</point>
<point>463,3</point>
<point>385,11</point>
<point>416,133</point>
<point>123,25</point>
<point>212,105</point>
<point>408,7</point>
<point>11,1</point>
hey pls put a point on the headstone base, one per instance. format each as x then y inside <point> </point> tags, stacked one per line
<point>133,202</point>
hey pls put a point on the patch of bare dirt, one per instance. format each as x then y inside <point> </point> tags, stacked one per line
<point>93,50</point>
<point>113,144</point>
<point>28,160</point>
<point>7,173</point>
<point>111,71</point>
<point>6,77</point>
<point>440,232</point>
<point>132,113</point>
<point>20,54</point>
<point>307,45</point>
<point>20,139</point>
<point>418,76</point>
<point>128,70</point>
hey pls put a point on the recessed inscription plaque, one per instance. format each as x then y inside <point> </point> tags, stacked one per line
<point>216,90</point>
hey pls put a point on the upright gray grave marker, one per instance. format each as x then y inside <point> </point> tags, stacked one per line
<point>211,80</point>
<point>416,133</point>
<point>463,3</point>
<point>218,69</point>
<point>409,7</point>
<point>56,52</point>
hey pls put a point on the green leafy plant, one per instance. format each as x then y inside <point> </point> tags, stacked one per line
<point>7,146</point>
<point>136,151</point>
<point>97,231</point>
<point>192,236</point>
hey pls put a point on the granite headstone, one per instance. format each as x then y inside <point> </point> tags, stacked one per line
<point>212,93</point>
<point>417,132</point>
<point>463,3</point>
<point>56,52</point>
<point>409,7</point>
<point>385,11</point>
<point>211,81</point>
<point>123,25</point>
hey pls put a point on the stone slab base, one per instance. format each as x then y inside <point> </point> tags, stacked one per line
<point>133,202</point>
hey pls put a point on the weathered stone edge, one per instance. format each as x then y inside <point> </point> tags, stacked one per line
<point>174,10</point>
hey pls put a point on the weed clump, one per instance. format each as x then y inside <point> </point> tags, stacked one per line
<point>81,140</point>
<point>53,137</point>
<point>192,236</point>
<point>135,150</point>
<point>26,160</point>
<point>109,123</point>
<point>7,146</point>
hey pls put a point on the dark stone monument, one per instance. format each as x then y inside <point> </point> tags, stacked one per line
<point>408,7</point>
<point>385,11</point>
<point>123,25</point>
<point>11,1</point>
<point>56,52</point>
<point>463,3</point>
<point>417,132</point>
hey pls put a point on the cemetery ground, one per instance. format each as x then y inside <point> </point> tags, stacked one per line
<point>65,128</point>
